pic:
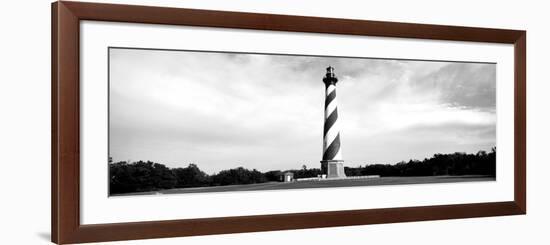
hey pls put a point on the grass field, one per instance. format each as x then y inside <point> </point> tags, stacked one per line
<point>323,184</point>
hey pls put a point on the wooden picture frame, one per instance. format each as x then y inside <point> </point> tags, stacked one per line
<point>65,170</point>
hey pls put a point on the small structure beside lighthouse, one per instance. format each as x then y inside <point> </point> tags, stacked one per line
<point>332,163</point>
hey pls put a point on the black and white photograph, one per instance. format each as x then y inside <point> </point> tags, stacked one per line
<point>184,121</point>
<point>275,122</point>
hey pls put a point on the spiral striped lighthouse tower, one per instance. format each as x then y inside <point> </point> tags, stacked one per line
<point>332,163</point>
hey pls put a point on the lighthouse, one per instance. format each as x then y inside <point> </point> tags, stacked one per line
<point>332,163</point>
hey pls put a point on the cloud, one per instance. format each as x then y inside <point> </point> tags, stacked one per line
<point>463,84</point>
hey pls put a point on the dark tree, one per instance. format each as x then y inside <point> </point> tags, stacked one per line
<point>191,176</point>
<point>139,176</point>
<point>274,175</point>
<point>238,176</point>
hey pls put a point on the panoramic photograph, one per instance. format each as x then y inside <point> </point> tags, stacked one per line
<point>184,121</point>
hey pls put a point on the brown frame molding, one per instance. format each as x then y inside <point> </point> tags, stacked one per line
<point>66,227</point>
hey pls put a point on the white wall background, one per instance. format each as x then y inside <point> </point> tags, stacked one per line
<point>25,121</point>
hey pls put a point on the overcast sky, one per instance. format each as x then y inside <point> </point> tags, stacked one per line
<point>222,110</point>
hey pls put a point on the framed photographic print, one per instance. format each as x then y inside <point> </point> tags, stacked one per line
<point>229,122</point>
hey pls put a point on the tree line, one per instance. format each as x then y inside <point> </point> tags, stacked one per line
<point>481,163</point>
<point>141,176</point>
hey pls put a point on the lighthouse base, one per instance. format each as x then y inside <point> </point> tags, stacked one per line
<point>333,168</point>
